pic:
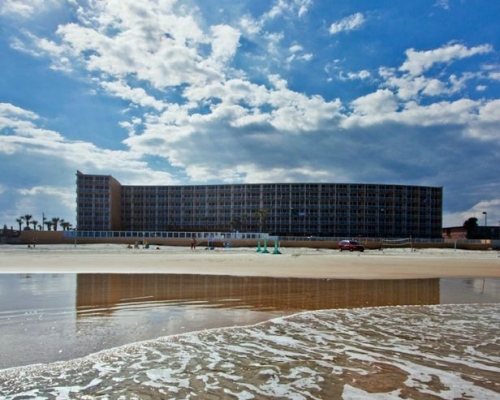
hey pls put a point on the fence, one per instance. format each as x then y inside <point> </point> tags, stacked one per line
<point>237,239</point>
<point>163,235</point>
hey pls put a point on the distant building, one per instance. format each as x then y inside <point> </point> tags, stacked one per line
<point>480,232</point>
<point>285,209</point>
<point>455,233</point>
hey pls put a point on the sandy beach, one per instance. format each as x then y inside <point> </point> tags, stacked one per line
<point>292,262</point>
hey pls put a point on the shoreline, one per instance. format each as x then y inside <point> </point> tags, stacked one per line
<point>292,263</point>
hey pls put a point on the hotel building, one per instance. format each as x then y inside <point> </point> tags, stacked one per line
<point>283,209</point>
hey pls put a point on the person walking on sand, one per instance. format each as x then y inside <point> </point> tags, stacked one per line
<point>193,242</point>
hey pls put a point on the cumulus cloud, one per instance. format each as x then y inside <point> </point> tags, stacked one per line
<point>411,82</point>
<point>485,122</point>
<point>281,7</point>
<point>224,43</point>
<point>250,26</point>
<point>22,135</point>
<point>443,4</point>
<point>418,62</point>
<point>137,96</point>
<point>303,6</point>
<point>476,211</point>
<point>44,155</point>
<point>349,76</point>
<point>27,8</point>
<point>381,102</point>
<point>349,23</point>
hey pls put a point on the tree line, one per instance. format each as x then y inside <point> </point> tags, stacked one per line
<point>52,224</point>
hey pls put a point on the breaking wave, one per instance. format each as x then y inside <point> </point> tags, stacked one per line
<point>433,351</point>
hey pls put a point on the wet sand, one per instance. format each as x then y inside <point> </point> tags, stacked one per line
<point>293,262</point>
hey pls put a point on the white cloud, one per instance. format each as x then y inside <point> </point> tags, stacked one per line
<point>349,23</point>
<point>273,40</point>
<point>349,76</point>
<point>380,102</point>
<point>64,197</point>
<point>297,54</point>
<point>24,141</point>
<point>22,136</point>
<point>409,80</point>
<point>420,61</point>
<point>494,76</point>
<point>123,39</point>
<point>486,122</point>
<point>443,4</point>
<point>457,113</point>
<point>491,207</point>
<point>282,7</point>
<point>249,25</point>
<point>303,6</point>
<point>224,43</point>
<point>492,71</point>
<point>27,8</point>
<point>136,96</point>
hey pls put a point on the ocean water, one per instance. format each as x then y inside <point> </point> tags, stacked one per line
<point>446,351</point>
<point>298,339</point>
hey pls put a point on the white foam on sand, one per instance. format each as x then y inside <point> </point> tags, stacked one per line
<point>383,353</point>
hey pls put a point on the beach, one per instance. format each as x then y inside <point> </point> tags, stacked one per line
<point>292,262</point>
<point>105,321</point>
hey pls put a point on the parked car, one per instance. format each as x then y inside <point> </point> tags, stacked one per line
<point>351,245</point>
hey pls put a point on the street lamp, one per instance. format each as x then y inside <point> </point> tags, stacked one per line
<point>485,218</point>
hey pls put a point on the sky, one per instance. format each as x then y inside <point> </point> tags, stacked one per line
<point>166,92</point>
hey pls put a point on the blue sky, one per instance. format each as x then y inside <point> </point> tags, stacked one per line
<point>203,91</point>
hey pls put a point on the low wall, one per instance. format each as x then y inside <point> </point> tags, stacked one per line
<point>57,237</point>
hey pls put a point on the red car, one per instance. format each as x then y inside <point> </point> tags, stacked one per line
<point>351,245</point>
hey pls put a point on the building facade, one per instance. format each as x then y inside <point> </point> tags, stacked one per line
<point>284,209</point>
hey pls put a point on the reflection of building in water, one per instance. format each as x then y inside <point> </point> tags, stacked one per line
<point>254,293</point>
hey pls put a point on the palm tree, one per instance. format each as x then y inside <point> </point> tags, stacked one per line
<point>34,222</point>
<point>27,218</point>
<point>236,224</point>
<point>20,222</point>
<point>49,225</point>
<point>55,221</point>
<point>262,217</point>
<point>65,225</point>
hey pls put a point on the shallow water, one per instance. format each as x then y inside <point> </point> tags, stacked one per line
<point>405,351</point>
<point>414,352</point>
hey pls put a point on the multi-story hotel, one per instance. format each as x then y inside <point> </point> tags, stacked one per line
<point>284,209</point>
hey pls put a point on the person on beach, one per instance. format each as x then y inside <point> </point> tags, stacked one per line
<point>193,242</point>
